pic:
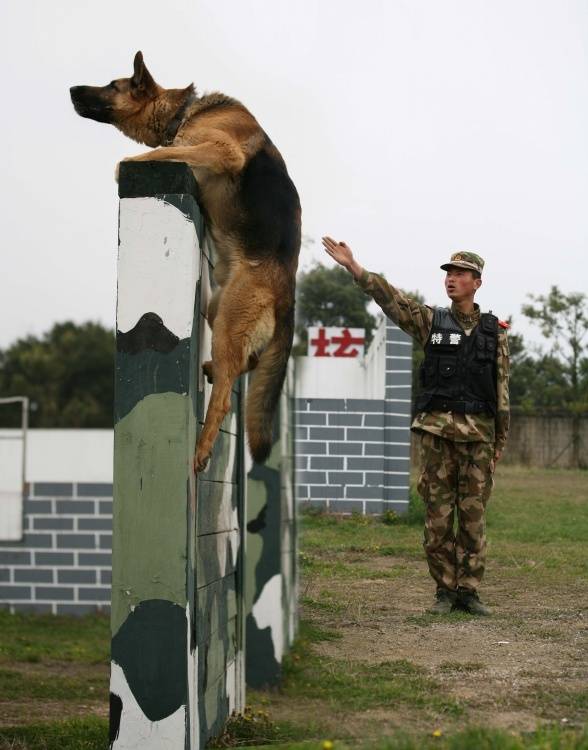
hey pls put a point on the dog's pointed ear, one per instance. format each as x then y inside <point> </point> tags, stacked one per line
<point>138,66</point>
<point>142,78</point>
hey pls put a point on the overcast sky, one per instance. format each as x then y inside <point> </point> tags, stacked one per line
<point>412,128</point>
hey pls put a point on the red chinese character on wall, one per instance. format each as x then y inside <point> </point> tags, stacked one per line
<point>325,341</point>
<point>321,343</point>
<point>345,341</point>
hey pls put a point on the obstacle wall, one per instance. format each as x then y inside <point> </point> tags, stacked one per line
<point>177,619</point>
<point>271,589</point>
<point>175,585</point>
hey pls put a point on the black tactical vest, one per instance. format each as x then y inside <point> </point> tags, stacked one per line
<point>459,372</point>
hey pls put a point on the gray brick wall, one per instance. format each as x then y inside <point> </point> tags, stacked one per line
<point>353,455</point>
<point>63,564</point>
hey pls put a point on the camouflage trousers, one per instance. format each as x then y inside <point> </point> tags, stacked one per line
<point>455,477</point>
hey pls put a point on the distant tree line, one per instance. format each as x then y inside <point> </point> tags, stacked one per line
<point>68,372</point>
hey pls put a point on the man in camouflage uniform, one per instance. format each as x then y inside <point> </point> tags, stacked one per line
<point>463,417</point>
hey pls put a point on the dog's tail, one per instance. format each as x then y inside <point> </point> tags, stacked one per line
<point>266,386</point>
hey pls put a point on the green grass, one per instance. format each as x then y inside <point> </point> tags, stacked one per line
<point>330,535</point>
<point>549,697</point>
<point>90,733</point>
<point>310,633</point>
<point>538,524</point>
<point>338,568</point>
<point>255,726</point>
<point>457,666</point>
<point>484,739</point>
<point>549,738</point>
<point>326,602</point>
<point>537,528</point>
<point>358,686</point>
<point>15,685</point>
<point>425,619</point>
<point>42,638</point>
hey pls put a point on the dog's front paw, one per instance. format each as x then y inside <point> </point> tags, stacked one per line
<point>117,168</point>
<point>201,460</point>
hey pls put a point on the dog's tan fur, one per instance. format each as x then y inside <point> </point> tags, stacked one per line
<point>252,310</point>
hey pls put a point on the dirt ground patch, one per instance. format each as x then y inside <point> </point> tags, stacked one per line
<point>524,666</point>
<point>21,713</point>
<point>85,687</point>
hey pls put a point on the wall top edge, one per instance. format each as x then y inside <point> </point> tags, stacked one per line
<point>148,179</point>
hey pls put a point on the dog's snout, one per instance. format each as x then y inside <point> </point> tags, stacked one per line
<point>74,92</point>
<point>91,102</point>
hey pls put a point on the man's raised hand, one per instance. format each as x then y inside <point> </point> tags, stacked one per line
<point>341,253</point>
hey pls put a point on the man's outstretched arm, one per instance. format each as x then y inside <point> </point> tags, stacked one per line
<point>412,317</point>
<point>503,401</point>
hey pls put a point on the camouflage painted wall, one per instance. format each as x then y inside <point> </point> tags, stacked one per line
<point>271,591</point>
<point>177,617</point>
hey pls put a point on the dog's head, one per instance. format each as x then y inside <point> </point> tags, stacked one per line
<point>119,101</point>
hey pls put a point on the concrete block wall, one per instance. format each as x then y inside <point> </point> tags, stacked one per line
<point>63,564</point>
<point>353,454</point>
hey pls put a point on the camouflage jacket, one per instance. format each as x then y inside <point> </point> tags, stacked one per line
<point>416,320</point>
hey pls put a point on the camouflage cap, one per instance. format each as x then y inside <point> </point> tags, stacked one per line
<point>465,259</point>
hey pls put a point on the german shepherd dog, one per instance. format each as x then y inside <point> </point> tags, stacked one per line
<point>252,210</point>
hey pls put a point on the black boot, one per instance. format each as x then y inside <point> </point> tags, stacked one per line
<point>444,602</point>
<point>470,602</point>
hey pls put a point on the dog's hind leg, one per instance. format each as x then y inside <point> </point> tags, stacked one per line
<point>210,316</point>
<point>252,362</point>
<point>253,359</point>
<point>243,326</point>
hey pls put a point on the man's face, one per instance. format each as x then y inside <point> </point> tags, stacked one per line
<point>461,284</point>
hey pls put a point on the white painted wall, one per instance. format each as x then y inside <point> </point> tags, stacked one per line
<point>342,377</point>
<point>51,456</point>
<point>157,266</point>
<point>375,362</point>
<point>11,455</point>
<point>61,455</point>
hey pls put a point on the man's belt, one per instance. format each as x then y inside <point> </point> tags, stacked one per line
<point>462,407</point>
